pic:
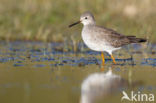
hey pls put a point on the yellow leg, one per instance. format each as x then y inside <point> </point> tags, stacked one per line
<point>103,59</point>
<point>113,59</point>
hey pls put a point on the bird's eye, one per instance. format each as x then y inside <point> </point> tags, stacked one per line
<point>85,17</point>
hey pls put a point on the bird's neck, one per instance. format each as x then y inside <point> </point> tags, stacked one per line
<point>90,24</point>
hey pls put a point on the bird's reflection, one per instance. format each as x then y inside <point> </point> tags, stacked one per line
<point>99,85</point>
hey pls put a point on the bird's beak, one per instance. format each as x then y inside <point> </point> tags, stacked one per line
<point>74,23</point>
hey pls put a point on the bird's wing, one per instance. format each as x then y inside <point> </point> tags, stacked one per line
<point>114,38</point>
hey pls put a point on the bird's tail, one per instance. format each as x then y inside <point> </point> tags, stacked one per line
<point>133,39</point>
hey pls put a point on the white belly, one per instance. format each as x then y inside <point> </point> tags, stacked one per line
<point>97,44</point>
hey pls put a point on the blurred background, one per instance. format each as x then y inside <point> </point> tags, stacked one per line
<point>42,60</point>
<point>48,20</point>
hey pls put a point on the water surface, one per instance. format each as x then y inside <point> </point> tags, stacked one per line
<point>37,72</point>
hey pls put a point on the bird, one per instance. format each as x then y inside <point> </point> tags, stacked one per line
<point>102,39</point>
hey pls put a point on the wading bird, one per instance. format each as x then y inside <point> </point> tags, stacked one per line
<point>102,39</point>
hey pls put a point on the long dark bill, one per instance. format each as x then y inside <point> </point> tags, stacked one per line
<point>74,24</point>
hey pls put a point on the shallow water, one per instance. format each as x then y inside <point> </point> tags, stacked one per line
<point>36,72</point>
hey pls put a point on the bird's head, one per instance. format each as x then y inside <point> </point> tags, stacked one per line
<point>86,19</point>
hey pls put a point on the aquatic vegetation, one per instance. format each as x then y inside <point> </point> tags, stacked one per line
<point>53,53</point>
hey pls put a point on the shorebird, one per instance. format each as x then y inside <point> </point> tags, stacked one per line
<point>102,39</point>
